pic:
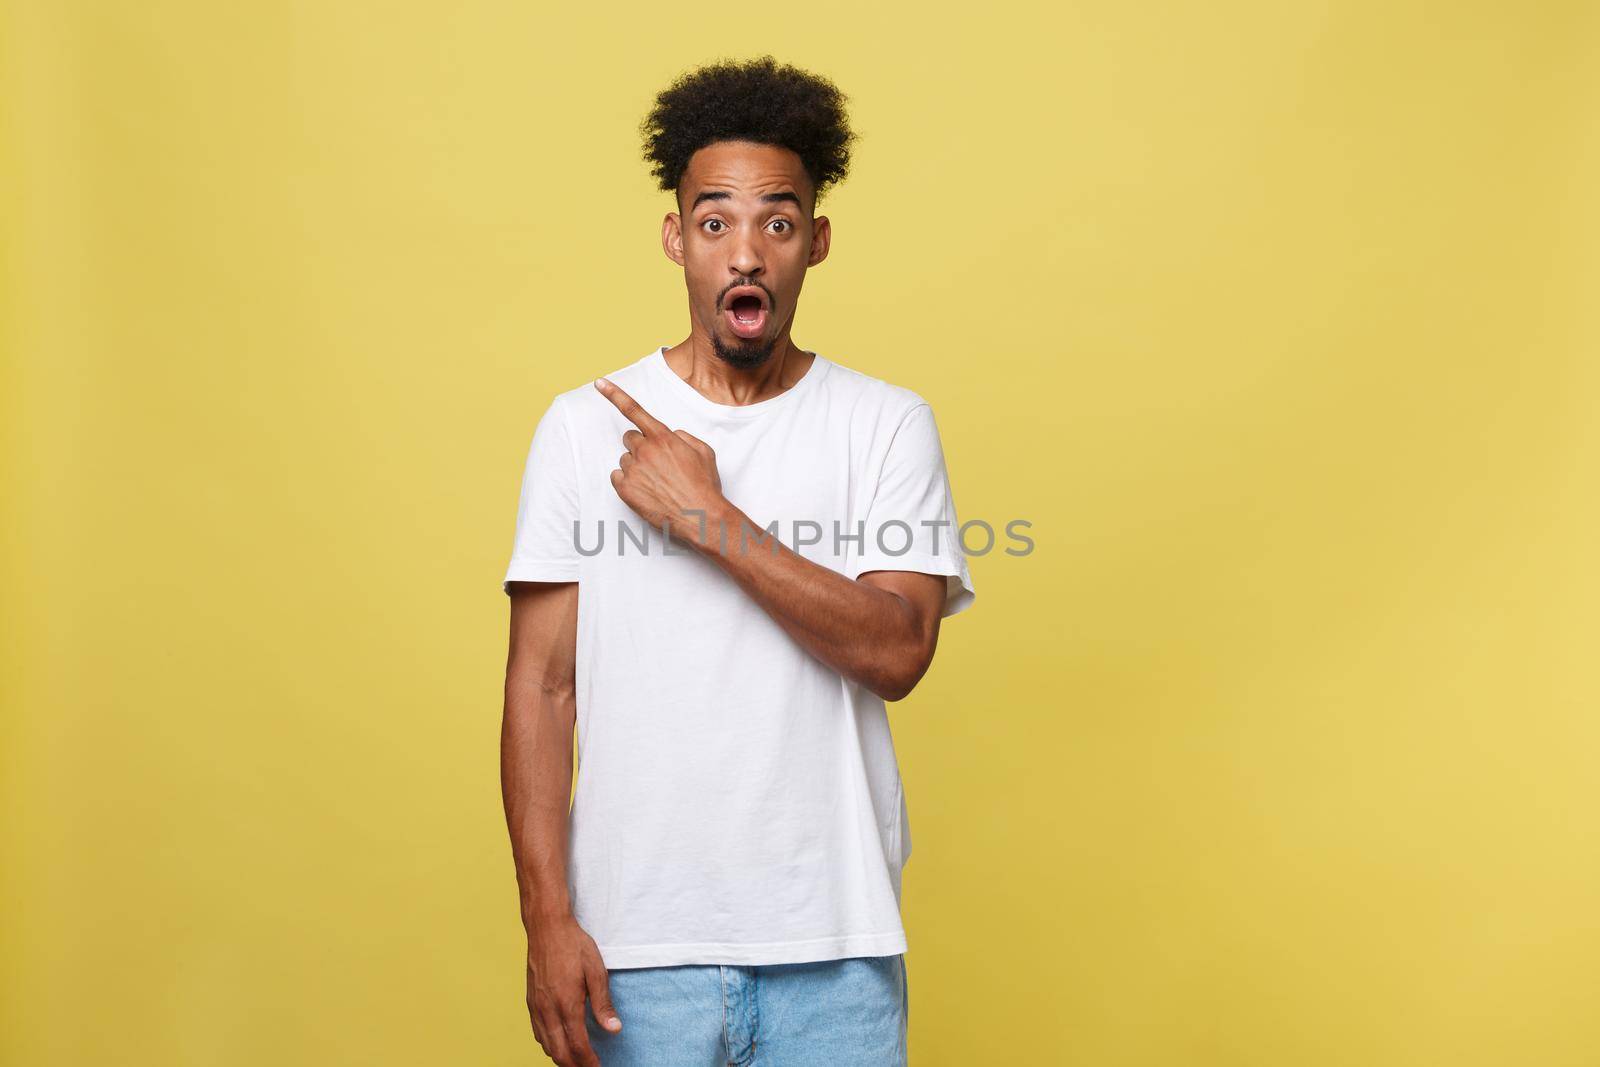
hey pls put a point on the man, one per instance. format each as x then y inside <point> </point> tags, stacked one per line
<point>729,554</point>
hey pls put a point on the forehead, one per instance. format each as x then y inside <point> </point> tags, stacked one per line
<point>744,168</point>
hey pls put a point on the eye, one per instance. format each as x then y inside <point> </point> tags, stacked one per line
<point>784,223</point>
<point>712,222</point>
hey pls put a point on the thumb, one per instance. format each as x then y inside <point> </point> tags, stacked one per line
<point>600,997</point>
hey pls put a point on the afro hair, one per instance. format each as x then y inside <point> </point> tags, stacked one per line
<point>756,100</point>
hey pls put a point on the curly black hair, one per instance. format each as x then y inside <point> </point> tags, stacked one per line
<point>756,100</point>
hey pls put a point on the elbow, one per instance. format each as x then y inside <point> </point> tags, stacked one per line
<point>899,675</point>
<point>892,692</point>
<point>536,690</point>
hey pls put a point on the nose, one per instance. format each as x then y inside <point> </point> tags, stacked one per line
<point>744,258</point>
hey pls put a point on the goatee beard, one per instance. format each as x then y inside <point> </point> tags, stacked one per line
<point>743,356</point>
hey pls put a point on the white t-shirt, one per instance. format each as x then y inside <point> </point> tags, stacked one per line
<point>737,800</point>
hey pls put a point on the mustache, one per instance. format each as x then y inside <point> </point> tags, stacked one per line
<point>739,284</point>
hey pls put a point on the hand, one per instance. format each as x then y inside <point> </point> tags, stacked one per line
<point>666,475</point>
<point>564,966</point>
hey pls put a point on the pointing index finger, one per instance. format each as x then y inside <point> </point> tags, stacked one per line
<point>629,407</point>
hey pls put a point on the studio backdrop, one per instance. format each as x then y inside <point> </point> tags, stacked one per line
<point>1274,321</point>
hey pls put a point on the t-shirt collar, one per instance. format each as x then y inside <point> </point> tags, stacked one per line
<point>700,402</point>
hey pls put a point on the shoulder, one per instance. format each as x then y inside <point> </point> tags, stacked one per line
<point>582,405</point>
<point>882,401</point>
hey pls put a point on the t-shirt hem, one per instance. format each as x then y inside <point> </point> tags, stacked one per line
<point>755,954</point>
<point>959,594</point>
<point>535,570</point>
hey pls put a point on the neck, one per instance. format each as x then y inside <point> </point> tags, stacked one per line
<point>695,360</point>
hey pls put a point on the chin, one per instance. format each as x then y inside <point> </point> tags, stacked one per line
<point>746,355</point>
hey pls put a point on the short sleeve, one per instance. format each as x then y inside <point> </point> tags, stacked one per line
<point>544,549</point>
<point>911,522</point>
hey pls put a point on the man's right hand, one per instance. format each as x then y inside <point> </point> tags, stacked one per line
<point>564,969</point>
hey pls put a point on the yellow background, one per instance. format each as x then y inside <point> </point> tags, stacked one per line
<point>1276,320</point>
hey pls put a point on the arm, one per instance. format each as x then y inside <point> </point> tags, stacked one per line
<point>564,965</point>
<point>879,631</point>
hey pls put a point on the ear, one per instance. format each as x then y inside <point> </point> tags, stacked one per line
<point>821,238</point>
<point>672,237</point>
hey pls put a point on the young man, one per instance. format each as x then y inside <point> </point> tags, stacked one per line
<point>729,554</point>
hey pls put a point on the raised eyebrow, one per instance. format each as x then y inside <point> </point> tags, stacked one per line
<point>766,198</point>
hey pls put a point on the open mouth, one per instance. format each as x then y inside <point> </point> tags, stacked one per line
<point>746,310</point>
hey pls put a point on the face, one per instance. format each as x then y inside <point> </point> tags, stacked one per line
<point>744,235</point>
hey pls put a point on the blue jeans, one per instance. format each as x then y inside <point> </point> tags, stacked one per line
<point>833,1013</point>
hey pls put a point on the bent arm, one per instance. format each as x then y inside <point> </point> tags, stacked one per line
<point>879,630</point>
<point>536,743</point>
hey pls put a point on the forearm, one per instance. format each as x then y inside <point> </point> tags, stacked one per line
<point>869,635</point>
<point>536,786</point>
